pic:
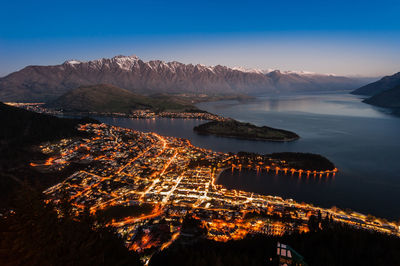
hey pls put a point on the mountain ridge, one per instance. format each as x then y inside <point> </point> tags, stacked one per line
<point>46,83</point>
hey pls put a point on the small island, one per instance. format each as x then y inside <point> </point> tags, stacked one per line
<point>236,129</point>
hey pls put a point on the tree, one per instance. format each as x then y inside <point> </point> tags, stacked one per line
<point>313,223</point>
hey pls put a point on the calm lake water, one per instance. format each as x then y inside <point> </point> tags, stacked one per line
<point>361,140</point>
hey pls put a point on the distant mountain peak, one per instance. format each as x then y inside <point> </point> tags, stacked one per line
<point>125,62</point>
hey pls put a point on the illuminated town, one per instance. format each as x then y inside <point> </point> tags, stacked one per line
<point>164,180</point>
<point>140,114</point>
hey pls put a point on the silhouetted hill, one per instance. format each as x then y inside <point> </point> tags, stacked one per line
<point>108,98</point>
<point>19,130</point>
<point>19,126</point>
<point>388,98</point>
<point>34,234</point>
<point>379,86</point>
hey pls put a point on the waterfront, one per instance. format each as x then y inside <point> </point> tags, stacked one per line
<point>361,140</point>
<point>146,186</point>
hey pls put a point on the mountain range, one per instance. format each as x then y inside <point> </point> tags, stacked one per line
<point>46,83</point>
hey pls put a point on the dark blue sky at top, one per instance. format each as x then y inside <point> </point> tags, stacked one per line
<point>263,34</point>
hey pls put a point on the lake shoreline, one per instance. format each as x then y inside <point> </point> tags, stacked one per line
<point>337,126</point>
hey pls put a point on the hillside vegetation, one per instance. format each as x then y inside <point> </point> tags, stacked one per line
<point>105,98</point>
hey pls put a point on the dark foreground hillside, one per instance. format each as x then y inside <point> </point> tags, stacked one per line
<point>19,126</point>
<point>338,245</point>
<point>30,231</point>
<point>34,235</point>
<point>20,129</point>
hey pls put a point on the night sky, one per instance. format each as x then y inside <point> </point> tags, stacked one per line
<point>341,37</point>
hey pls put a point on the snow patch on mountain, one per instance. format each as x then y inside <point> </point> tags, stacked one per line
<point>73,62</point>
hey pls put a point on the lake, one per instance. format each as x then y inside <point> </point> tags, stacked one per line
<point>361,140</point>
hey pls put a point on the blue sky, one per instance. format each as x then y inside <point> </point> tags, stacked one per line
<point>342,37</point>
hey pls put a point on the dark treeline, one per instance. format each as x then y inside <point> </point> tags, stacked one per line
<point>305,161</point>
<point>35,235</point>
<point>336,245</point>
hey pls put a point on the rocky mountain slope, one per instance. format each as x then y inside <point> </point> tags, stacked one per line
<point>46,83</point>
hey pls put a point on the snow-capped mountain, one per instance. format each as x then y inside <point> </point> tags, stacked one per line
<point>43,83</point>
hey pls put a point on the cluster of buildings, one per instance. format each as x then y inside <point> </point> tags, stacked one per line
<point>35,107</point>
<point>143,114</point>
<point>121,169</point>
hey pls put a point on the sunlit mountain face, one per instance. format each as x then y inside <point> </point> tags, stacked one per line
<point>45,83</point>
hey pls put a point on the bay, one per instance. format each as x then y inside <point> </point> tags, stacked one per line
<point>361,140</point>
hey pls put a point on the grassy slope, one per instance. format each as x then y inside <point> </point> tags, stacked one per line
<point>108,98</point>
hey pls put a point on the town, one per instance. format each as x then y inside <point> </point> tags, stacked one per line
<point>139,113</point>
<point>146,186</point>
